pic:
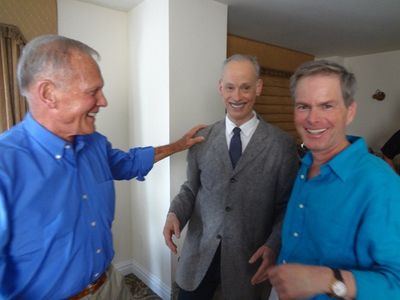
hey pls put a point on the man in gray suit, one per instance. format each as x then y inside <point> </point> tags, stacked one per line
<point>232,202</point>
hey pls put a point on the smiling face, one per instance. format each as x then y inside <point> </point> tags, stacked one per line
<point>239,87</point>
<point>78,97</point>
<point>320,115</point>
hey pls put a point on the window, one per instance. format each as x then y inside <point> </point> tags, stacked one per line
<point>12,105</point>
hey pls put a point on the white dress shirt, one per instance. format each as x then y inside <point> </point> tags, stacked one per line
<point>247,130</point>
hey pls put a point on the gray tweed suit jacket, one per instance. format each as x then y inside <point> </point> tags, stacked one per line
<point>240,208</point>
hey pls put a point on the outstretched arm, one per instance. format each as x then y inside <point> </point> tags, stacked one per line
<point>188,140</point>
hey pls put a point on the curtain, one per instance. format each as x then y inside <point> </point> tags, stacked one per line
<point>12,105</point>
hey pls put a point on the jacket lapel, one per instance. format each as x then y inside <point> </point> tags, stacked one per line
<point>257,144</point>
<point>218,145</point>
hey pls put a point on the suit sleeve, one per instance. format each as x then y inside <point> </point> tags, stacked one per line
<point>289,163</point>
<point>392,146</point>
<point>183,203</point>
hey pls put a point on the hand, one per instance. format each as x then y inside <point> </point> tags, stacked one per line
<point>185,142</point>
<point>172,226</point>
<point>189,139</point>
<point>268,259</point>
<point>295,281</point>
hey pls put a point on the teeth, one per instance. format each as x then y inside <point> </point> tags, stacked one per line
<point>316,131</point>
<point>237,105</point>
<point>92,114</point>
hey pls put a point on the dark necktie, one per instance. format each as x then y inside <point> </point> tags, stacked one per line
<point>235,148</point>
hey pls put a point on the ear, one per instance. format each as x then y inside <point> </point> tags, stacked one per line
<point>351,112</point>
<point>259,86</point>
<point>220,86</point>
<point>47,93</point>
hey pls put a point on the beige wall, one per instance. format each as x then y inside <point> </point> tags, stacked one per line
<point>173,87</point>
<point>158,85</point>
<point>32,17</point>
<point>376,121</point>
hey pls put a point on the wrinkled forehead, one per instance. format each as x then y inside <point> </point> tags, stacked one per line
<point>239,71</point>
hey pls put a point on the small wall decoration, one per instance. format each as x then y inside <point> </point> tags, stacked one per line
<point>379,95</point>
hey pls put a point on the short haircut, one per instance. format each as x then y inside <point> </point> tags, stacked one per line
<point>48,55</point>
<point>243,57</point>
<point>325,67</point>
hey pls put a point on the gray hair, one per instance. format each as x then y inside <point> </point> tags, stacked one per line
<point>325,67</point>
<point>243,57</point>
<point>48,55</point>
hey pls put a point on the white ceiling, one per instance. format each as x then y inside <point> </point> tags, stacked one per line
<point>319,27</point>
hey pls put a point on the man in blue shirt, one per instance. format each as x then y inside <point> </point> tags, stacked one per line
<point>56,179</point>
<point>341,232</point>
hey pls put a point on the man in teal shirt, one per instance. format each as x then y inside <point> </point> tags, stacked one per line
<point>341,233</point>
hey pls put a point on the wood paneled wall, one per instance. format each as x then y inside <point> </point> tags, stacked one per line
<point>277,65</point>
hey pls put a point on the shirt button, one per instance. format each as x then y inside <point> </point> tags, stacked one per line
<point>302,176</point>
<point>58,156</point>
<point>96,275</point>
<point>67,146</point>
<point>98,251</point>
<point>284,261</point>
<point>93,223</point>
<point>301,205</point>
<point>295,234</point>
<point>84,196</point>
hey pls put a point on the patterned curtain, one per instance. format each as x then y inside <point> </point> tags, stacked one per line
<point>12,105</point>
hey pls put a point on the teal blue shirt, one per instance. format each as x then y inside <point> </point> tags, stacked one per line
<point>56,209</point>
<point>347,217</point>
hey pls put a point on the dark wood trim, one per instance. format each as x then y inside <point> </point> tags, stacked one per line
<point>274,72</point>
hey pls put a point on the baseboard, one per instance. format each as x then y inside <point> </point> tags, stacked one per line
<point>152,281</point>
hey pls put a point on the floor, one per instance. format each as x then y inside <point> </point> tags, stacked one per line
<point>142,291</point>
<point>139,289</point>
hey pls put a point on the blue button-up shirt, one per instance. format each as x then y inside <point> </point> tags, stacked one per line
<point>348,217</point>
<point>56,209</point>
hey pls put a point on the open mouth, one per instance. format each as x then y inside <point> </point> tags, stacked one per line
<point>316,131</point>
<point>237,105</point>
<point>92,114</point>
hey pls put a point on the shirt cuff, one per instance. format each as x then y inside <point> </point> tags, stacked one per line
<point>146,155</point>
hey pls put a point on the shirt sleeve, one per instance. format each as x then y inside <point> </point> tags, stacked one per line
<point>378,248</point>
<point>4,235</point>
<point>136,163</point>
<point>144,161</point>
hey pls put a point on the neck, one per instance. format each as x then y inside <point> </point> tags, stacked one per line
<point>50,126</point>
<point>239,123</point>
<point>320,158</point>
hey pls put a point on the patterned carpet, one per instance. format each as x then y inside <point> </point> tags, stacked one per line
<point>139,289</point>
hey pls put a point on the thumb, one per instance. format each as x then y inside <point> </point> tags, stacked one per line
<point>177,231</point>
<point>255,256</point>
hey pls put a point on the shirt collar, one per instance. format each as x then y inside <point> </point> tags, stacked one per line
<point>48,140</point>
<point>246,128</point>
<point>345,161</point>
